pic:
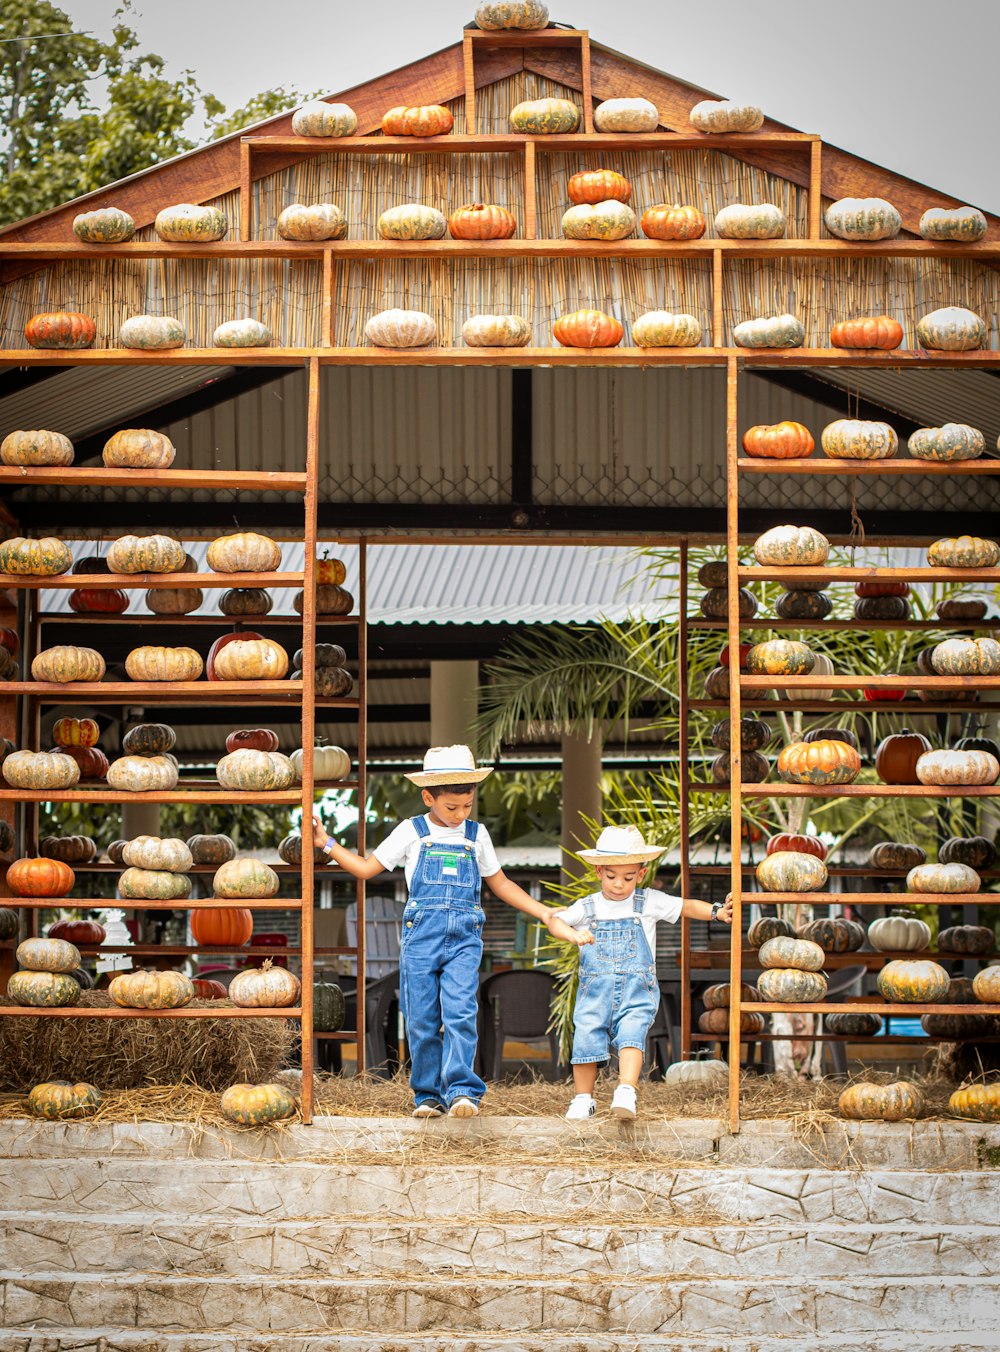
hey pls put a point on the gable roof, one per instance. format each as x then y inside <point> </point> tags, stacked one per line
<point>214,169</point>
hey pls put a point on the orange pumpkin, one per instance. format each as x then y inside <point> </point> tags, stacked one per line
<point>40,878</point>
<point>587,328</point>
<point>665,221</point>
<point>75,732</point>
<point>207,989</point>
<point>877,332</point>
<point>60,329</point>
<point>215,926</point>
<point>425,120</point>
<point>591,186</point>
<point>478,221</point>
<point>778,441</point>
<point>786,841</point>
<point>824,762</point>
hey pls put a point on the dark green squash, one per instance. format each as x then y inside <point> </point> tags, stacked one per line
<point>833,735</point>
<point>754,734</point>
<point>328,1007</point>
<point>715,604</point>
<point>978,744</point>
<point>769,927</point>
<point>211,849</point>
<point>715,573</point>
<point>149,739</point>
<point>833,934</point>
<point>881,608</point>
<point>803,605</point>
<point>754,768</point>
<point>976,851</point>
<point>8,923</point>
<point>853,1025</point>
<point>895,855</point>
<point>968,940</point>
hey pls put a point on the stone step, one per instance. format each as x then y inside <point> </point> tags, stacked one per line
<point>111,1340</point>
<point>716,1307</point>
<point>303,1190</point>
<point>124,1246</point>
<point>935,1144</point>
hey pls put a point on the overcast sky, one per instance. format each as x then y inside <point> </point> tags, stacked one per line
<point>908,84</point>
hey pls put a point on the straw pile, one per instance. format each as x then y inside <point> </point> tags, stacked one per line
<point>134,1053</point>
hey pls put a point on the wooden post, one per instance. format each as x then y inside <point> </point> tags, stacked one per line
<point>469,66</point>
<point>362,784</point>
<point>308,889</point>
<point>815,188</point>
<point>8,809</point>
<point>246,191</point>
<point>326,334</point>
<point>529,190</point>
<point>718,330</point>
<point>683,781</point>
<point>735,805</point>
<point>585,86</point>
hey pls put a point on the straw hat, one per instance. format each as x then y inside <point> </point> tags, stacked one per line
<point>449,765</point>
<point>621,845</point>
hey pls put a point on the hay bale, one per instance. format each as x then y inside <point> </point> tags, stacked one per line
<point>132,1053</point>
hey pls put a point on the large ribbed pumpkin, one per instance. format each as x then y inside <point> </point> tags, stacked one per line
<point>720,996</point>
<point>966,657</point>
<point>762,220</point>
<point>770,331</point>
<point>853,1025</point>
<point>977,1102</point>
<point>146,554</point>
<point>913,981</point>
<point>245,552</point>
<point>819,763</point>
<point>66,663</point>
<point>769,927</point>
<point>951,329</point>
<point>895,855</point>
<point>217,926</point>
<point>65,329</point>
<point>36,448</point>
<point>896,756</point>
<point>497,15</point>
<point>254,1105</point>
<point>75,732</point>
<point>401,328</point>
<point>863,218</point>
<point>58,1100</point>
<point>626,115</point>
<point>211,849</point>
<point>151,990</point>
<point>963,551</point>
<point>318,220</point>
<point>968,940</point>
<point>608,220</point>
<point>430,119</point>
<point>412,220</point>
<point>900,932</point>
<point>791,871</point>
<point>245,878</point>
<point>833,934</point>
<point>143,774</point>
<point>239,601</point>
<point>779,441</point>
<point>962,225</point>
<point>152,333</point>
<point>544,117</point>
<point>156,852</point>
<point>722,116</point>
<point>587,328</point>
<point>44,557</point>
<point>149,739</point>
<point>255,771</point>
<point>717,1021</point>
<point>68,850</point>
<point>977,851</point>
<point>189,223</point>
<point>138,448</point>
<point>48,955</point>
<point>802,954</point>
<point>107,225</point>
<point>496,331</point>
<point>482,220</point>
<point>43,990</point>
<point>951,441</point>
<point>792,547</point>
<point>599,185</point>
<point>174,600</point>
<point>252,739</point>
<point>875,333</point>
<point>163,664</point>
<point>780,657</point>
<point>986,986</point>
<point>245,332</point>
<point>881,1102</point>
<point>791,985</point>
<point>317,118</point>
<point>672,221</point>
<point>856,439</point>
<point>148,884</point>
<point>663,328</point>
<point>266,987</point>
<point>801,844</point>
<point>957,768</point>
<point>40,770</point>
<point>250,660</point>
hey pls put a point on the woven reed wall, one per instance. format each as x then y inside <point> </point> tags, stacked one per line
<point>494,102</point>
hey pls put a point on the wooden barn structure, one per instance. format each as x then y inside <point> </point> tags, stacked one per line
<point>323,439</point>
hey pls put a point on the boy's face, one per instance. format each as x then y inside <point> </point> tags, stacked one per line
<point>448,808</point>
<point>618,881</point>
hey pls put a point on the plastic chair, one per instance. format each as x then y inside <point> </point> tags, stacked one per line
<point>383,920</point>
<point>381,997</point>
<point>515,1005</point>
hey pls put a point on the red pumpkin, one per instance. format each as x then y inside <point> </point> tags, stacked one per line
<point>206,989</point>
<point>883,696</point>
<point>591,186</point>
<point>252,739</point>
<point>78,931</point>
<point>216,926</point>
<point>881,589</point>
<point>724,655</point>
<point>9,639</point>
<point>786,841</point>
<point>98,601</point>
<point>222,642</point>
<point>62,329</point>
<point>92,761</point>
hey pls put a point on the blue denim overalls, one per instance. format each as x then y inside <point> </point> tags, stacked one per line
<point>618,996</point>
<point>439,956</point>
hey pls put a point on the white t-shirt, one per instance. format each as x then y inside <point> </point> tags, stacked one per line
<point>402,846</point>
<point>658,906</point>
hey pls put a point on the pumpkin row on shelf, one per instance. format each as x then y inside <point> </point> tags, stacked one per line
<point>901,931</point>
<point>792,546</point>
<point>47,556</point>
<point>860,439</point>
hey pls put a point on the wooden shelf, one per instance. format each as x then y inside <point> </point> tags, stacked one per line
<point>209,951</point>
<point>107,867</point>
<point>834,871</point>
<point>76,1012</point>
<point>128,620</point>
<point>701,958</point>
<point>831,573</point>
<point>831,707</point>
<point>145,581</point>
<point>866,626</point>
<point>837,681</point>
<point>872,1039</point>
<point>452,143</point>
<point>766,790</point>
<point>876,899</point>
<point>867,1006</point>
<point>142,904</point>
<point>752,465</point>
<point>92,477</point>
<point>102,794</point>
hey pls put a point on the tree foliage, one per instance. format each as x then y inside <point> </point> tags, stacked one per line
<point>78,113</point>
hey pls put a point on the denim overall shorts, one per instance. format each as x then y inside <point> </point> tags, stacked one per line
<point>440,952</point>
<point>618,997</point>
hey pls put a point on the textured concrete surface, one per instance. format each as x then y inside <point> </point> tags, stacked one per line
<point>103,1340</point>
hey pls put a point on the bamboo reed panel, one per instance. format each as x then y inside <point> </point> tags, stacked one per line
<point>494,101</point>
<point>541,291</point>
<point>706,179</point>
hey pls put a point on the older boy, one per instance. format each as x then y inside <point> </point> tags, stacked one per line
<point>618,994</point>
<point>445,857</point>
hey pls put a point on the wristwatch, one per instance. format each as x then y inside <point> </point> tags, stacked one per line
<point>717,906</point>
<point>328,847</point>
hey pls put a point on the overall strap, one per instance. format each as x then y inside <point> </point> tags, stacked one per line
<point>471,829</point>
<point>639,901</point>
<point>589,910</point>
<point>419,825</point>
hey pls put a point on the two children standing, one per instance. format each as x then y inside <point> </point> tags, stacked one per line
<point>446,856</point>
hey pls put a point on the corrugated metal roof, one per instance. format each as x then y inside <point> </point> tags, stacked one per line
<point>930,397</point>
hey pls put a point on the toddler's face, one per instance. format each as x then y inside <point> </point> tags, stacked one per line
<point>449,809</point>
<point>618,881</point>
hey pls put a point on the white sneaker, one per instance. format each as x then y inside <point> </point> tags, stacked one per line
<point>582,1107</point>
<point>464,1107</point>
<point>623,1103</point>
<point>424,1110</point>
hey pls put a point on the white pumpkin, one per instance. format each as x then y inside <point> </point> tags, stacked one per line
<point>401,328</point>
<point>710,1077</point>
<point>324,119</point>
<point>660,328</point>
<point>618,115</point>
<point>899,933</point>
<point>822,666</point>
<point>762,220</point>
<point>723,115</point>
<point>961,225</point>
<point>770,331</point>
<point>863,218</point>
<point>497,331</point>
<point>958,769</point>
<point>330,764</point>
<point>951,329</point>
<point>942,878</point>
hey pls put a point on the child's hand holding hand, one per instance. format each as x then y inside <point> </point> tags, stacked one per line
<point>726,914</point>
<point>560,930</point>
<point>320,836</point>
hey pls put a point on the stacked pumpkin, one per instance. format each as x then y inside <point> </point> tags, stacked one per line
<point>255,766</point>
<point>45,979</point>
<point>717,680</point>
<point>905,980</point>
<point>151,990</point>
<point>77,737</point>
<point>88,600</point>
<point>176,600</point>
<point>794,546</point>
<point>331,681</point>
<point>714,605</point>
<point>963,551</point>
<point>882,601</point>
<point>792,969</point>
<point>332,597</point>
<point>147,763</point>
<point>40,770</point>
<point>715,1018</point>
<point>754,735</point>
<point>792,863</point>
<point>157,870</point>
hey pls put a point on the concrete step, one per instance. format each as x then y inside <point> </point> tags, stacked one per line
<point>304,1190</point>
<point>111,1340</point>
<point>717,1307</point>
<point>476,1248</point>
<point>932,1144</point>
